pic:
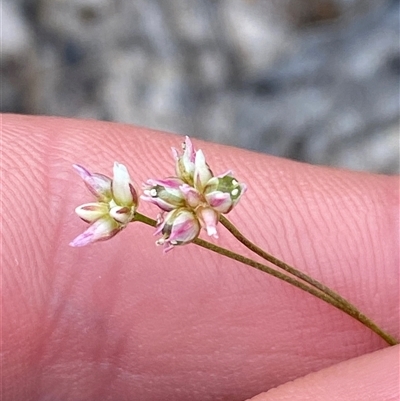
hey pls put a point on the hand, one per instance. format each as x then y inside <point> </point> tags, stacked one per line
<point>119,320</point>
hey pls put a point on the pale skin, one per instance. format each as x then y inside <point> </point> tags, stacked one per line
<point>119,320</point>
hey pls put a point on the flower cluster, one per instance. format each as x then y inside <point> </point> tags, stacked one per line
<point>192,200</point>
<point>115,206</point>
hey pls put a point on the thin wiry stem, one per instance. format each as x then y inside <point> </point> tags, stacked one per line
<point>336,301</point>
<point>279,263</point>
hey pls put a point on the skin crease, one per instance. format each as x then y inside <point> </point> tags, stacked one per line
<point>119,320</point>
<point>370,377</point>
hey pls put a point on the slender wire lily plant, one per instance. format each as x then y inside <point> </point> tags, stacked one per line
<point>192,200</point>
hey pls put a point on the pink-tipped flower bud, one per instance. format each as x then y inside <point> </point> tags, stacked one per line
<point>208,218</point>
<point>165,194</point>
<point>179,227</point>
<point>184,164</point>
<point>100,230</point>
<point>223,192</point>
<point>98,184</point>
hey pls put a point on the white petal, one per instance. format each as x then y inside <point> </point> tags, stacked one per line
<point>121,214</point>
<point>202,173</point>
<point>121,186</point>
<point>92,211</point>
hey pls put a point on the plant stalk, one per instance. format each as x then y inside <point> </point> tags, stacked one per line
<point>336,301</point>
<point>279,263</point>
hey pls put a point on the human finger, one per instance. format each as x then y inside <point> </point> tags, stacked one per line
<point>371,377</point>
<point>120,315</point>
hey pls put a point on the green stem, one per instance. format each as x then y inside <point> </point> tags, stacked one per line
<point>343,305</point>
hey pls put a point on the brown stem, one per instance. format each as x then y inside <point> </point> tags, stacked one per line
<point>279,263</point>
<point>343,305</point>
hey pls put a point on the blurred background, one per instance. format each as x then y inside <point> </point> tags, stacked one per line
<point>312,80</point>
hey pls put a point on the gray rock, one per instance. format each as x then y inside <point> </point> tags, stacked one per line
<point>306,79</point>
